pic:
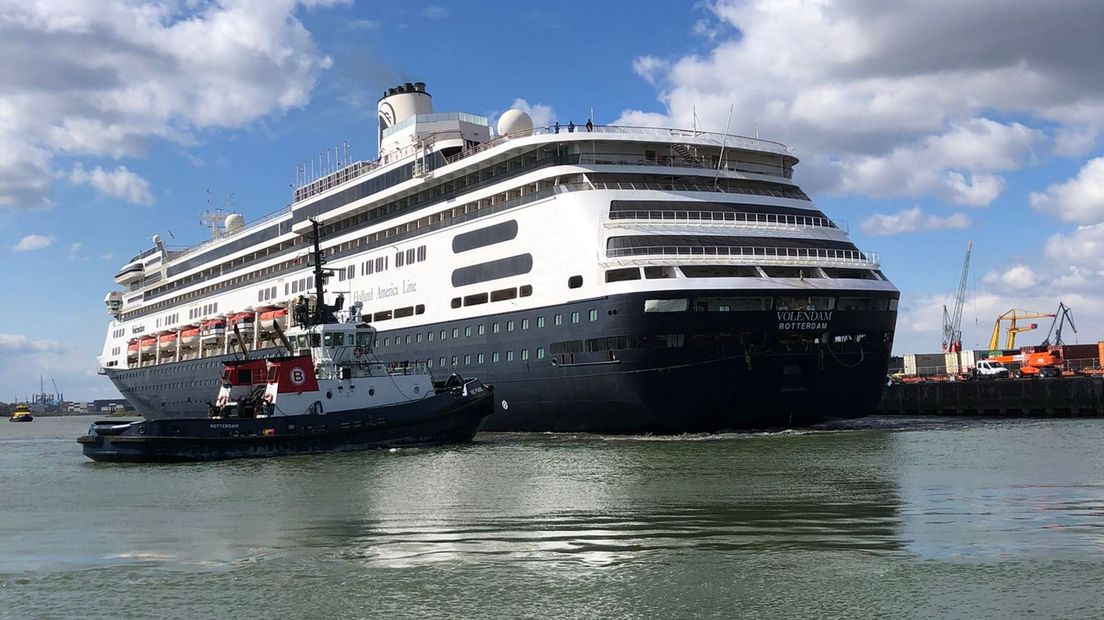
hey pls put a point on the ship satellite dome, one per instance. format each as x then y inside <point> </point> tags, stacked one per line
<point>156,239</point>
<point>234,221</point>
<point>514,122</point>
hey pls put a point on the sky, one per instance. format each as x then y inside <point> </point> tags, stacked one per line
<point>921,124</point>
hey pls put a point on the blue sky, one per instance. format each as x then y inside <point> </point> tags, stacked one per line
<point>922,125</point>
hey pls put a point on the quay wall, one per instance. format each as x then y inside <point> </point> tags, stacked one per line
<point>1055,397</point>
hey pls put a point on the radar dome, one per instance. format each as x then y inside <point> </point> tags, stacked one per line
<point>234,221</point>
<point>514,122</point>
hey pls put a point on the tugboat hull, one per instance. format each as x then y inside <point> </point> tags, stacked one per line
<point>443,418</point>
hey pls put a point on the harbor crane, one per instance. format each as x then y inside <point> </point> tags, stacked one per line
<point>952,322</point>
<point>1061,317</point>
<point>1012,316</point>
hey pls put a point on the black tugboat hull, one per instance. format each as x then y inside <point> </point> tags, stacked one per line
<point>442,419</point>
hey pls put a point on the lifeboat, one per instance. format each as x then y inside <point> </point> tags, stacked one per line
<point>189,334</point>
<point>132,347</point>
<point>243,320</point>
<point>147,344</point>
<point>213,329</point>
<point>167,340</point>
<point>277,314</point>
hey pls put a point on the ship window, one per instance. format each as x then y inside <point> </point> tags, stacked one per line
<point>455,332</point>
<point>398,259</point>
<point>526,290</point>
<point>540,321</point>
<point>467,359</point>
<point>419,309</point>
<point>404,312</point>
<point>540,353</point>
<point>854,274</point>
<point>731,304</point>
<point>509,356</point>
<point>387,341</point>
<point>504,294</point>
<point>467,331</point>
<point>418,337</point>
<point>382,316</point>
<point>338,340</point>
<point>442,362</point>
<point>406,339</point>
<point>474,300</point>
<point>453,360</point>
<point>655,273</point>
<point>893,305</point>
<point>621,275</point>
<point>574,281</point>
<point>455,303</point>
<point>410,256</point>
<point>509,326</point>
<point>364,339</point>
<point>804,303</point>
<point>494,357</point>
<point>666,305</point>
<point>724,271</point>
<point>863,303</point>
<point>494,327</point>
<point>429,362</point>
<point>524,354</point>
<point>525,323</point>
<point>316,340</point>
<point>481,329</point>
<point>575,317</point>
<point>557,319</point>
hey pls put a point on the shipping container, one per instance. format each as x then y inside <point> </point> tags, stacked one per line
<point>924,364</point>
<point>1080,351</point>
<point>964,361</point>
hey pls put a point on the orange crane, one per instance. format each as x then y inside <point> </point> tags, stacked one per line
<point>1012,316</point>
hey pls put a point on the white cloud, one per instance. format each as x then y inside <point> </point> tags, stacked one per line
<point>103,78</point>
<point>15,344</point>
<point>901,98</point>
<point>32,242</point>
<point>912,220</point>
<point>542,115</point>
<point>1081,250</point>
<point>1015,278</point>
<point>118,183</point>
<point>1080,199</point>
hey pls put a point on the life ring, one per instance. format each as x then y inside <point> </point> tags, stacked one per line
<point>358,352</point>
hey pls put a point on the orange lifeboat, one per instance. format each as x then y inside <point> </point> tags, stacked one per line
<point>275,313</point>
<point>244,320</point>
<point>132,347</point>
<point>213,329</point>
<point>147,344</point>
<point>189,334</point>
<point>167,340</point>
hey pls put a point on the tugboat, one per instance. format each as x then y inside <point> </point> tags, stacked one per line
<point>329,394</point>
<point>21,413</point>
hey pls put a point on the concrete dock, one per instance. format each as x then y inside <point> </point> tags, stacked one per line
<point>1057,397</point>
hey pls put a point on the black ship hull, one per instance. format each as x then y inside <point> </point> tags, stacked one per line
<point>442,419</point>
<point>606,365</point>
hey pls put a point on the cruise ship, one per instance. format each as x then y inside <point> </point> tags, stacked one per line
<point>604,279</point>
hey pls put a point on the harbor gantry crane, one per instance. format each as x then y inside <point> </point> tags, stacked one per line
<point>952,322</point>
<point>1061,317</point>
<point>1012,316</point>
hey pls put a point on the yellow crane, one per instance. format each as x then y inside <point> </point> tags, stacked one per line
<point>1012,316</point>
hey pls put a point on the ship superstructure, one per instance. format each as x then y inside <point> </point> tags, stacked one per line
<point>619,279</point>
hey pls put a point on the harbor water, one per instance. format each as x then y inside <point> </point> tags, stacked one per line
<point>882,517</point>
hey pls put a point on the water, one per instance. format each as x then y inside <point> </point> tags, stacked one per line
<point>881,517</point>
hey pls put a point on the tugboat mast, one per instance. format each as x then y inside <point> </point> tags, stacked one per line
<point>319,275</point>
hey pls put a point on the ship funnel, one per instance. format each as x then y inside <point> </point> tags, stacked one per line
<point>400,103</point>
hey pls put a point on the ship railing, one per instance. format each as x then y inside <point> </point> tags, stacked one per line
<point>751,220</point>
<point>794,194</point>
<point>730,141</point>
<point>758,255</point>
<point>264,219</point>
<point>682,161</point>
